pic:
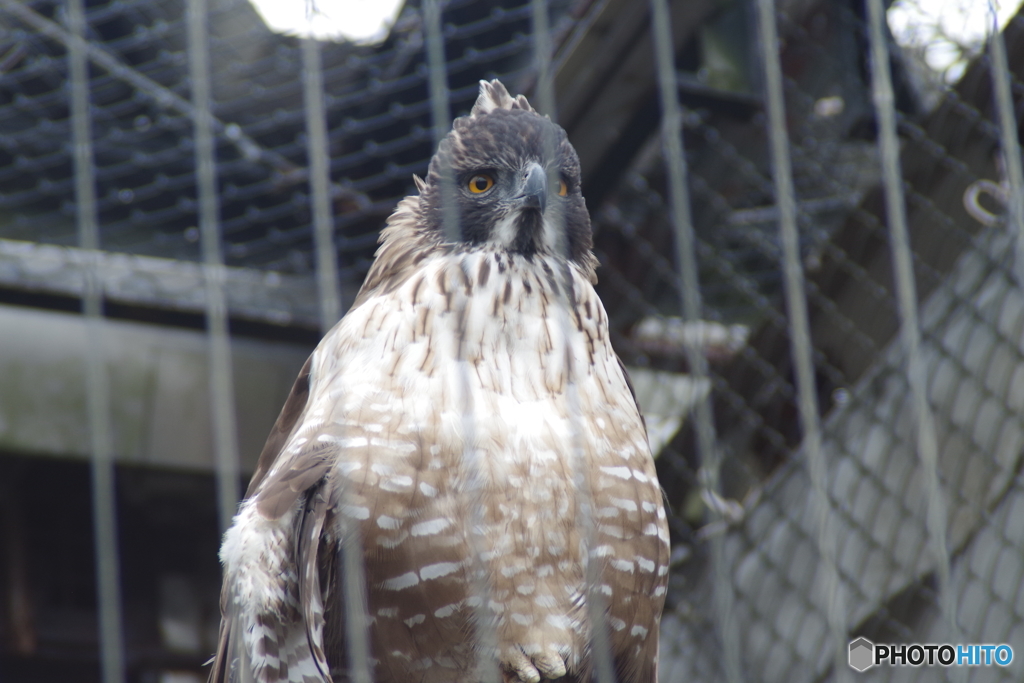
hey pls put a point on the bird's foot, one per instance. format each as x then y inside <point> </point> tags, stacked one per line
<point>547,665</point>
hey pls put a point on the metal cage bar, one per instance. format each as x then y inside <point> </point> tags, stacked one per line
<point>486,628</point>
<point>685,244</point>
<point>545,82</point>
<point>104,494</point>
<point>800,336</point>
<point>351,572</point>
<point>807,296</point>
<point>906,295</point>
<point>440,109</point>
<point>317,149</point>
<point>222,398</point>
<point>597,607</point>
<point>1011,152</point>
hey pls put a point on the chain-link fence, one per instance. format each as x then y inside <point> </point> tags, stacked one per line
<point>796,216</point>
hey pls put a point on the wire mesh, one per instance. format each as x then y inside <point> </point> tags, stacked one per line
<point>761,263</point>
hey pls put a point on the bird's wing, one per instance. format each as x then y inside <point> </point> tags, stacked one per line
<point>311,598</point>
<point>290,466</point>
<point>286,422</point>
<point>272,610</point>
<point>271,594</point>
<point>632,392</point>
<point>258,644</point>
<point>281,477</point>
<point>287,468</point>
<point>231,663</point>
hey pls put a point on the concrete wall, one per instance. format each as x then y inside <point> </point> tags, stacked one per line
<point>160,404</point>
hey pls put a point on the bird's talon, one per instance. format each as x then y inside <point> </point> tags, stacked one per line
<point>550,664</point>
<point>522,668</point>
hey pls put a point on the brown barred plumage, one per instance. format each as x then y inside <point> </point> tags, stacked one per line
<point>374,435</point>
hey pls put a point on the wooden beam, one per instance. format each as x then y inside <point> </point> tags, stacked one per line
<point>257,295</point>
<point>606,88</point>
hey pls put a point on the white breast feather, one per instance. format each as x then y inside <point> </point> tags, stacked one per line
<point>394,374</point>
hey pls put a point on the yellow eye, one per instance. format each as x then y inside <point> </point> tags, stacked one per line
<point>562,189</point>
<point>479,184</point>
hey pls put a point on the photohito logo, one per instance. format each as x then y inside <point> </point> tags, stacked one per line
<point>864,654</point>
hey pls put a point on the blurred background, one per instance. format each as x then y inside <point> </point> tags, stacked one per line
<point>127,431</point>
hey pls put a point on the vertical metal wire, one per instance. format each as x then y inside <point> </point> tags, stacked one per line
<point>545,89</point>
<point>441,115</point>
<point>353,590</point>
<point>320,183</point>
<point>906,295</point>
<point>600,649</point>
<point>218,343</point>
<point>352,571</point>
<point>487,664</point>
<point>1001,80</point>
<point>104,510</point>
<point>800,337</point>
<point>690,299</point>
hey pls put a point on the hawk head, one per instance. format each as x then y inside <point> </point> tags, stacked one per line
<point>516,180</point>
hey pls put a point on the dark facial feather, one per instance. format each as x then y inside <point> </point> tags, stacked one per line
<point>502,143</point>
<point>500,135</point>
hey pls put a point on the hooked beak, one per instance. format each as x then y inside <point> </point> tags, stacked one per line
<point>535,188</point>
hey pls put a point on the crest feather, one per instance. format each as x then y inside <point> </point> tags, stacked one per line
<point>493,95</point>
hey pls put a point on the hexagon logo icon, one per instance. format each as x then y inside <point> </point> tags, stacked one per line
<point>862,654</point>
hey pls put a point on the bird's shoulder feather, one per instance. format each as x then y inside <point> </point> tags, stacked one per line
<point>404,244</point>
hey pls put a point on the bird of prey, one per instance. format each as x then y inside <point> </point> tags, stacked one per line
<point>469,431</point>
